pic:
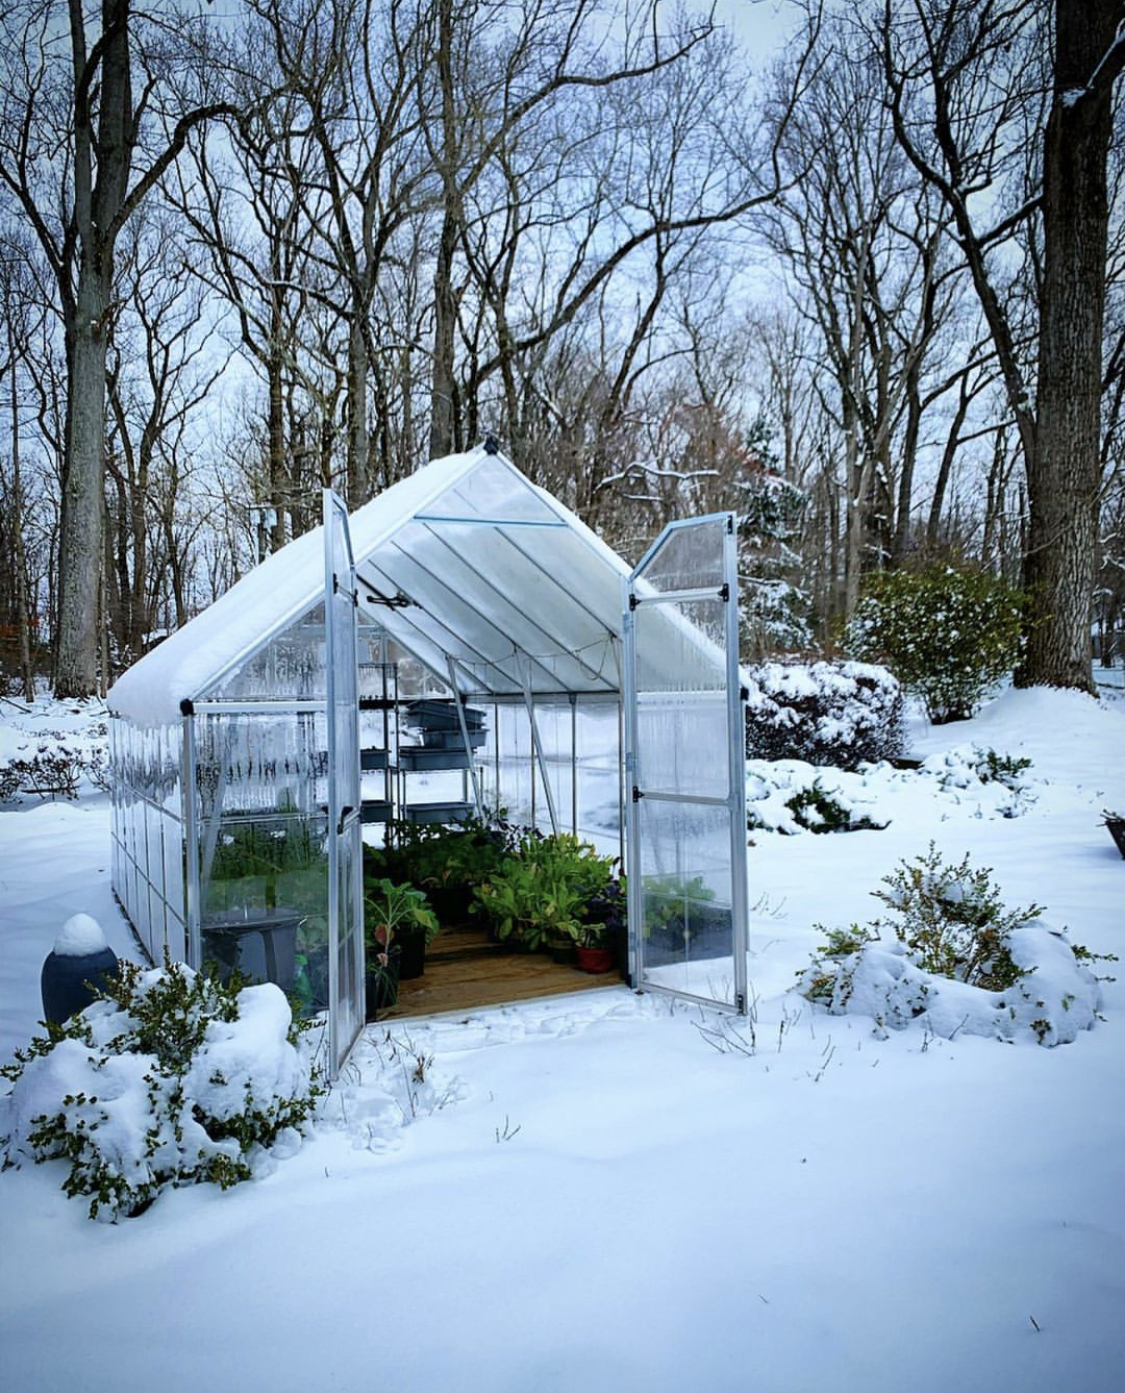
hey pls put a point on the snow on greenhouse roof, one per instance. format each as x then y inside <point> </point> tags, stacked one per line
<point>484,568</point>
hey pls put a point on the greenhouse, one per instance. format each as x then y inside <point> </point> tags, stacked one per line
<point>461,644</point>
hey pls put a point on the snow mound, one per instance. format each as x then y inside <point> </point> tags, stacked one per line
<point>81,936</point>
<point>133,1121</point>
<point>1056,999</point>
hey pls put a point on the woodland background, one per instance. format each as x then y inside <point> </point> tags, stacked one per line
<point>251,249</point>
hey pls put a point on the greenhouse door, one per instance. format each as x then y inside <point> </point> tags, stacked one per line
<point>345,849</point>
<point>685,766</point>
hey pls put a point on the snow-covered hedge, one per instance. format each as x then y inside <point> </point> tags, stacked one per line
<point>844,714</point>
<point>948,634</point>
<point>176,1079</point>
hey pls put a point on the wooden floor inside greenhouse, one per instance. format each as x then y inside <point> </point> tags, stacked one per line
<point>465,970</point>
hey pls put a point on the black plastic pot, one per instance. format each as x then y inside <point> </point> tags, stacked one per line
<point>412,956</point>
<point>1116,827</point>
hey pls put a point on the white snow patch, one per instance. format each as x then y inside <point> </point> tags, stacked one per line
<point>81,935</point>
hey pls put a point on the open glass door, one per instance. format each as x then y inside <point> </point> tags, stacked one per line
<point>345,850</point>
<point>685,765</point>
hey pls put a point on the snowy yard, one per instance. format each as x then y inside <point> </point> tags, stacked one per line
<point>616,1192</point>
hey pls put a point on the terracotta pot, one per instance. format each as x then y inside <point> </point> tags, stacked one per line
<point>595,959</point>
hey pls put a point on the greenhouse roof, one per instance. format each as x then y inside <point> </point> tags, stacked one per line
<point>464,560</point>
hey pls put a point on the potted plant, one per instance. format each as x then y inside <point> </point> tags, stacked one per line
<point>537,895</point>
<point>594,950</point>
<point>398,915</point>
<point>381,980</point>
<point>1116,824</point>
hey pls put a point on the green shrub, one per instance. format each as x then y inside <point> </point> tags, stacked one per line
<point>947,634</point>
<point>816,810</point>
<point>842,714</point>
<point>952,921</point>
<point>173,1078</point>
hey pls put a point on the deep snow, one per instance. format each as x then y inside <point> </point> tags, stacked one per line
<point>616,1192</point>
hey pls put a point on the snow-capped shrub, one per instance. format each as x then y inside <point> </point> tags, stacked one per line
<point>948,635</point>
<point>955,959</point>
<point>952,920</point>
<point>52,770</point>
<point>843,714</point>
<point>171,1079</point>
<point>815,809</point>
<point>972,768</point>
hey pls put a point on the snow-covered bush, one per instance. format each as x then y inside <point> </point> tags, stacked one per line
<point>815,809</point>
<point>948,635</point>
<point>953,958</point>
<point>843,714</point>
<point>51,771</point>
<point>171,1079</point>
<point>969,768</point>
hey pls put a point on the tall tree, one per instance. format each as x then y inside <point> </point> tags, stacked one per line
<point>86,108</point>
<point>971,66</point>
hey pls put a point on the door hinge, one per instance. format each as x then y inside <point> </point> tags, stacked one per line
<point>740,1003</point>
<point>632,600</point>
<point>637,794</point>
<point>724,591</point>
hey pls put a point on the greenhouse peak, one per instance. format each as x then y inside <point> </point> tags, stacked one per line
<point>465,563</point>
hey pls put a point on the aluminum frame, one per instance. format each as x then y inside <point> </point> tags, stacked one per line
<point>633,597</point>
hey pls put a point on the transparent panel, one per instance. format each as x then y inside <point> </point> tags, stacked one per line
<point>148,833</point>
<point>687,823</point>
<point>288,667</point>
<point>492,490</point>
<point>687,926</point>
<point>688,558</point>
<point>261,782</point>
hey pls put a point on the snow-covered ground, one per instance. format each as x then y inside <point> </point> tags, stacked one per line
<point>613,1191</point>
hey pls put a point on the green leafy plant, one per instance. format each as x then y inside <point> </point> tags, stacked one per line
<point>676,908</point>
<point>947,634</point>
<point>446,862</point>
<point>201,1115</point>
<point>952,921</point>
<point>392,911</point>
<point>995,768</point>
<point>544,891</point>
<point>828,978</point>
<point>816,810</point>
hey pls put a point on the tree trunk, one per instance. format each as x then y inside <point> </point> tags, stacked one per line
<point>81,544</point>
<point>1064,470</point>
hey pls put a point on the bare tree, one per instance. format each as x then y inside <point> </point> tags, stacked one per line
<point>105,149</point>
<point>960,77</point>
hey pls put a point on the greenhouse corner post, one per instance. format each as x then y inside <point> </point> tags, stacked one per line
<point>344,839</point>
<point>736,749</point>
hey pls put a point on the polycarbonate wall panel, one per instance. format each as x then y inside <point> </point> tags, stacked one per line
<point>689,558</point>
<point>687,923</point>
<point>261,858</point>
<point>290,667</point>
<point>148,834</point>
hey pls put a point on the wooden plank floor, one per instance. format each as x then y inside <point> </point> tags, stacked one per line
<point>465,970</point>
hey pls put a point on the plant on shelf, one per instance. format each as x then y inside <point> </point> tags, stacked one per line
<point>446,862</point>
